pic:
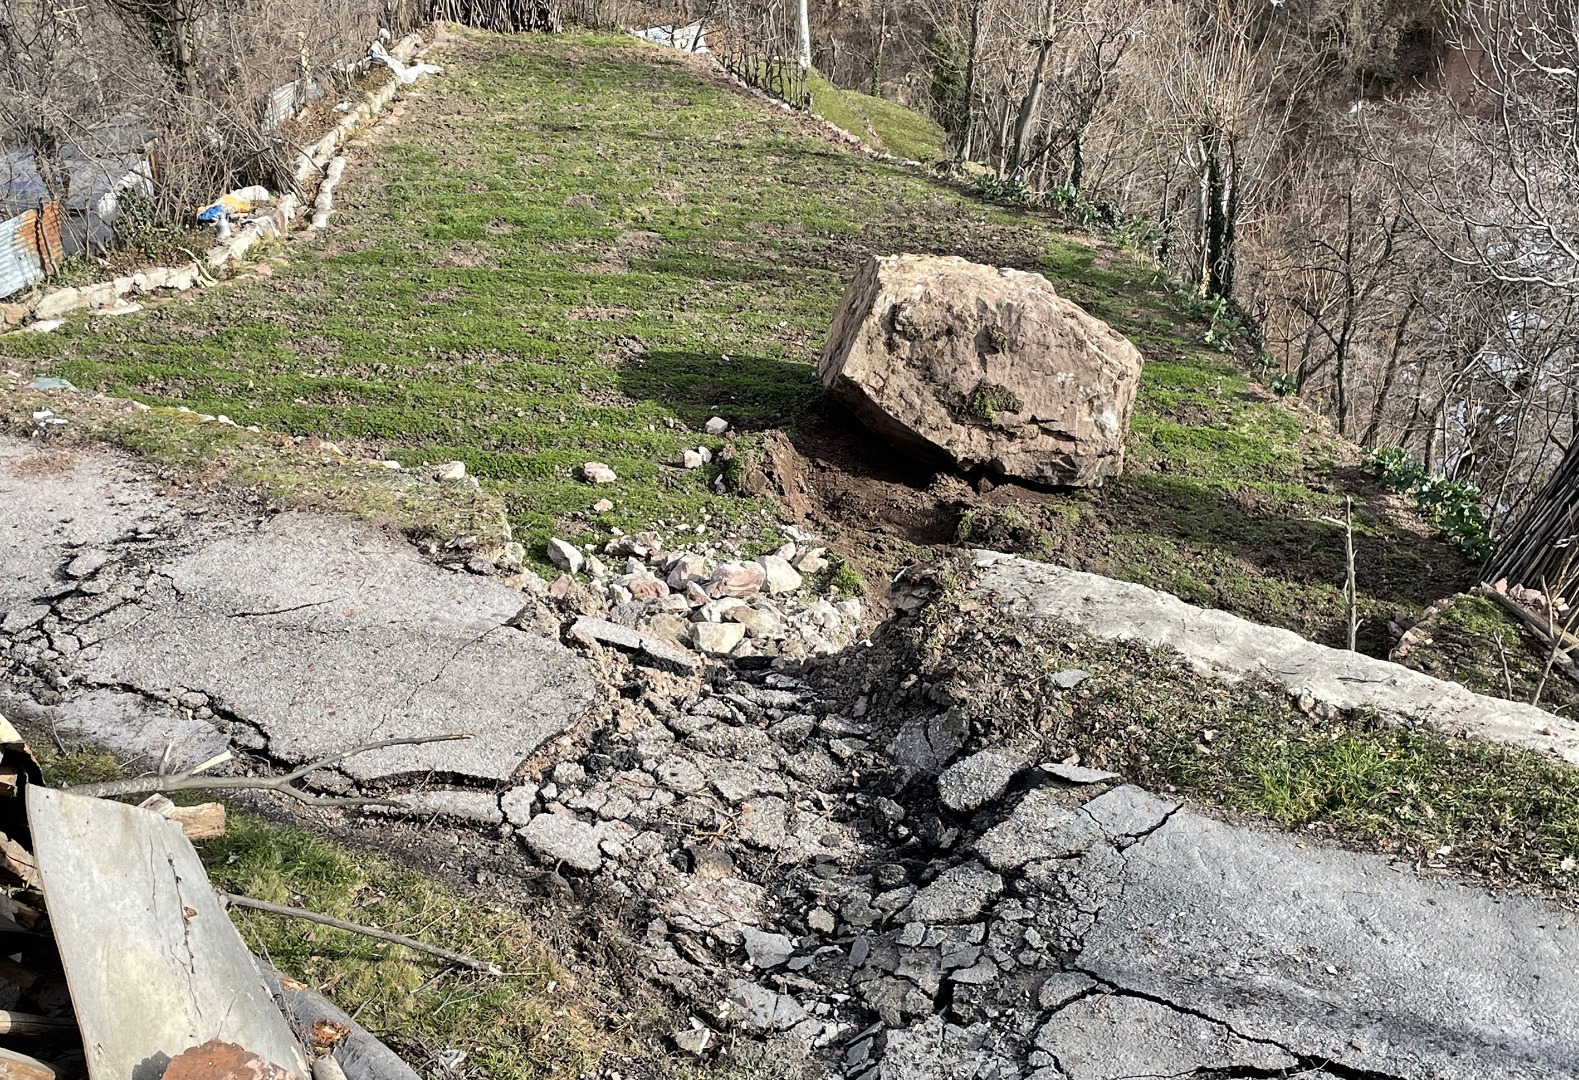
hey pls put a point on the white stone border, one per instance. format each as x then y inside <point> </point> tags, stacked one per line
<point>1223,646</point>
<point>321,156</point>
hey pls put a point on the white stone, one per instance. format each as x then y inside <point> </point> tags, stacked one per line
<point>781,577</point>
<point>565,555</point>
<point>596,472</point>
<point>692,460</point>
<point>451,470</point>
<point>717,637</point>
<point>716,426</point>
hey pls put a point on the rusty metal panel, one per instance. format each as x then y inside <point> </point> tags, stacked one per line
<point>30,248</point>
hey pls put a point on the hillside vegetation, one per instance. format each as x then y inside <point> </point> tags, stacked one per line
<point>581,247</point>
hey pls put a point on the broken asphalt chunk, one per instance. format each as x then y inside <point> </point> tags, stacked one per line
<point>645,647</point>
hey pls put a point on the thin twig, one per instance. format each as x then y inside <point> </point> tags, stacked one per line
<point>281,785</point>
<point>1507,675</point>
<point>235,900</point>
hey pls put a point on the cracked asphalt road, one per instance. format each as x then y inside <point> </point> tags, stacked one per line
<point>1064,931</point>
<point>295,634</point>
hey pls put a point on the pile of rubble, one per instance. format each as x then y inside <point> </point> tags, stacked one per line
<point>707,595</point>
<point>817,875</point>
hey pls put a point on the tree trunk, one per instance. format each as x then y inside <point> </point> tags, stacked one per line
<point>803,22</point>
<point>970,81</point>
<point>877,53</point>
<point>1029,106</point>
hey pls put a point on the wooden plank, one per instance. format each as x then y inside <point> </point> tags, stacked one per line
<point>18,1066</point>
<point>154,964</point>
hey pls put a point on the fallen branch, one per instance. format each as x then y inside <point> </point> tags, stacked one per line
<point>462,959</point>
<point>281,785</point>
<point>1560,646</point>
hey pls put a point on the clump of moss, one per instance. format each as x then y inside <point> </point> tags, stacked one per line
<point>988,400</point>
<point>1002,528</point>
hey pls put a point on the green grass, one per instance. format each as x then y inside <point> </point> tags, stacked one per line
<point>880,123</point>
<point>531,1022</point>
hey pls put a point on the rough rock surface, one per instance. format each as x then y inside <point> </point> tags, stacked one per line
<point>984,367</point>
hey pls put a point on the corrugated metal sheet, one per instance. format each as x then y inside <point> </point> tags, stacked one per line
<point>30,248</point>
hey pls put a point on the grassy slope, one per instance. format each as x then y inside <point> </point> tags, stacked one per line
<point>881,124</point>
<point>580,248</point>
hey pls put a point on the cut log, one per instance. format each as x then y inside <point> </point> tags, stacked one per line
<point>205,821</point>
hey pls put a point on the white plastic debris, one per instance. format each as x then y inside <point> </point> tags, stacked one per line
<point>404,73</point>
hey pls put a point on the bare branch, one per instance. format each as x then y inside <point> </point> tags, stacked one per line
<point>280,785</point>
<point>462,959</point>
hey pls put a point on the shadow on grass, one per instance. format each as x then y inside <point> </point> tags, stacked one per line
<point>1291,543</point>
<point>751,392</point>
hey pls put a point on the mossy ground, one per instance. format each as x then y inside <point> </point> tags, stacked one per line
<point>881,124</point>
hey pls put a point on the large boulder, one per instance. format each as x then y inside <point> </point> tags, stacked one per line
<point>983,367</point>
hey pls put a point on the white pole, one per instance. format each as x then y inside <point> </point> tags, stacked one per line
<point>804,18</point>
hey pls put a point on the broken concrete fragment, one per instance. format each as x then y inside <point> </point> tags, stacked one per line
<point>475,807</point>
<point>766,950</point>
<point>1061,988</point>
<point>649,647</point>
<point>516,804</point>
<point>340,633</point>
<point>560,838</point>
<point>1041,827</point>
<point>1129,811</point>
<point>763,1010</point>
<point>1115,1035</point>
<point>958,894</point>
<point>1077,774</point>
<point>87,564</point>
<point>137,729</point>
<point>976,781</point>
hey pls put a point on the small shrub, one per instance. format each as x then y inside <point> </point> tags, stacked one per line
<point>847,581</point>
<point>1453,506</point>
<point>1284,383</point>
<point>1001,528</point>
<point>1006,190</point>
<point>140,227</point>
<point>988,400</point>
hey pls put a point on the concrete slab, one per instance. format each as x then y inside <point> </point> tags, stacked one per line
<point>1339,957</point>
<point>1221,645</point>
